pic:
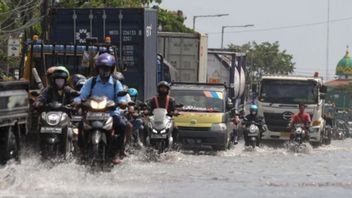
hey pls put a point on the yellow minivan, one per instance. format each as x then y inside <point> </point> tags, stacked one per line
<point>205,118</point>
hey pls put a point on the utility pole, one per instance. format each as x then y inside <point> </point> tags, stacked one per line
<point>327,43</point>
<point>230,26</point>
<point>44,12</point>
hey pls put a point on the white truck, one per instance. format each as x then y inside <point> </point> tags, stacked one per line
<point>278,100</point>
<point>187,52</point>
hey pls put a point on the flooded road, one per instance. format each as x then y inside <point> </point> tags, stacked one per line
<point>267,172</point>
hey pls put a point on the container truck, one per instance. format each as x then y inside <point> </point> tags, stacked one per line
<point>187,52</point>
<point>130,31</point>
<point>278,100</point>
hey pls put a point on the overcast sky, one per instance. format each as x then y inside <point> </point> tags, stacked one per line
<point>306,42</point>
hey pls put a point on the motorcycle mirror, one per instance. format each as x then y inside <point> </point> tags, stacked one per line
<point>75,94</point>
<point>179,105</point>
<point>122,93</point>
<point>34,93</point>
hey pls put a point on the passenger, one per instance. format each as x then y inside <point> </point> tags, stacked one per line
<point>105,85</point>
<point>57,89</point>
<point>252,116</point>
<point>300,118</point>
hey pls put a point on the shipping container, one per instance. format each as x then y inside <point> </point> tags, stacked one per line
<point>187,52</point>
<point>133,30</point>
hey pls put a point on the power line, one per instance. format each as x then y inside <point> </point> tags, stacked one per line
<point>288,26</point>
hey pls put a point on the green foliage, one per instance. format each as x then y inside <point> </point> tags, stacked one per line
<point>172,21</point>
<point>266,58</point>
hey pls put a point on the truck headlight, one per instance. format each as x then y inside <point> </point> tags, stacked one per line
<point>218,127</point>
<point>316,123</point>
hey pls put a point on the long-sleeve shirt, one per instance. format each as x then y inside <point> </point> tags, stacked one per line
<point>50,94</point>
<point>102,89</point>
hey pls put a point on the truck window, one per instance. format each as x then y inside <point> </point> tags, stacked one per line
<point>288,92</point>
<point>199,100</point>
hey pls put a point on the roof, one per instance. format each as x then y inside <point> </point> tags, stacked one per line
<point>284,77</point>
<point>338,83</point>
<point>344,66</point>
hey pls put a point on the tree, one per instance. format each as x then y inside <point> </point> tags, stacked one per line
<point>265,58</point>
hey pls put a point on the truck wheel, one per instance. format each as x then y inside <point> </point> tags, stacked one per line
<point>11,149</point>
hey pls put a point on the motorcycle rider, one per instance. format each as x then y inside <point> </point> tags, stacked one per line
<point>105,85</point>
<point>300,118</point>
<point>163,100</point>
<point>252,116</point>
<point>57,89</point>
<point>236,122</point>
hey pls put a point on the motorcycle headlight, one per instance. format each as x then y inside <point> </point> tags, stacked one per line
<point>316,123</point>
<point>53,119</point>
<point>218,127</point>
<point>163,131</point>
<point>253,129</point>
<point>98,105</point>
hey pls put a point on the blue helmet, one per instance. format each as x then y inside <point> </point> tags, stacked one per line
<point>133,92</point>
<point>253,108</point>
<point>105,59</point>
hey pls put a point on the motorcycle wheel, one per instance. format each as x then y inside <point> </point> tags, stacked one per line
<point>98,153</point>
<point>160,146</point>
<point>253,144</point>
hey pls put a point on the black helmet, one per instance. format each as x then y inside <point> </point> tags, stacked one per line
<point>77,81</point>
<point>164,83</point>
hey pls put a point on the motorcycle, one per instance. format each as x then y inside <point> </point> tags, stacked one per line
<point>159,132</point>
<point>253,133</point>
<point>97,128</point>
<point>299,139</point>
<point>55,130</point>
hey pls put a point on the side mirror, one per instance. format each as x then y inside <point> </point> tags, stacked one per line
<point>322,96</point>
<point>323,89</point>
<point>122,93</point>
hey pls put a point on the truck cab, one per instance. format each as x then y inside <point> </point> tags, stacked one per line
<point>204,121</point>
<point>278,100</point>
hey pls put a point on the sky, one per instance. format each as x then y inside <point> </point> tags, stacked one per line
<point>306,40</point>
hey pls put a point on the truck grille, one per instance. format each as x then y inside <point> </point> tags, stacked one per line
<point>276,122</point>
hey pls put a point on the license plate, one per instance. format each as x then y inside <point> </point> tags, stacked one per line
<point>50,130</point>
<point>97,116</point>
<point>158,136</point>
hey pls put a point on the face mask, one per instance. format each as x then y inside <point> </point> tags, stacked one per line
<point>60,82</point>
<point>103,73</point>
<point>253,112</point>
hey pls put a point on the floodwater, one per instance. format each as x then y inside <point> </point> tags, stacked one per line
<point>266,172</point>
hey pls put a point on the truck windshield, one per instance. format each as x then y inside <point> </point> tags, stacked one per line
<point>199,100</point>
<point>288,92</point>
